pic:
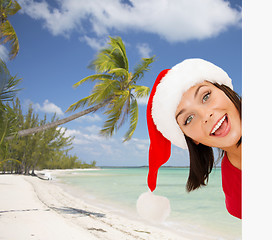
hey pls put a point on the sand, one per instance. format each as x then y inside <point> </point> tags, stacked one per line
<point>31,208</point>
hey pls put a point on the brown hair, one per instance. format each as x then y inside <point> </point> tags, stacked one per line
<point>201,156</point>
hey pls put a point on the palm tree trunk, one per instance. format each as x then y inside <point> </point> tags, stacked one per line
<point>44,127</point>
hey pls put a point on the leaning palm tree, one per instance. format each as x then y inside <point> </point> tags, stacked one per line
<point>7,32</point>
<point>116,88</point>
<point>115,91</point>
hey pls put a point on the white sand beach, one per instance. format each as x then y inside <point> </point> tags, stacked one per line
<point>31,208</point>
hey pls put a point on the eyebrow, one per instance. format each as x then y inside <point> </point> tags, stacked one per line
<point>196,92</point>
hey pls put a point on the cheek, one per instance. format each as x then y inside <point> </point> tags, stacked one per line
<point>194,132</point>
<point>221,102</point>
<point>237,124</point>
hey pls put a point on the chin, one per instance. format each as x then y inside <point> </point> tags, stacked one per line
<point>233,141</point>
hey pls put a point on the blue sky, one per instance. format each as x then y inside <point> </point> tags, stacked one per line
<point>58,39</point>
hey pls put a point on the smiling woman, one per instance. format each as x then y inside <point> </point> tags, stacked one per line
<point>193,106</point>
<point>206,103</point>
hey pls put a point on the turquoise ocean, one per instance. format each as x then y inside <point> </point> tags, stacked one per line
<point>200,214</point>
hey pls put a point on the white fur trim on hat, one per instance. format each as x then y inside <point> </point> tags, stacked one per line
<point>171,88</point>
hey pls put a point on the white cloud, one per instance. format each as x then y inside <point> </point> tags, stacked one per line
<point>88,136</point>
<point>113,152</point>
<point>71,132</point>
<point>107,149</point>
<point>58,21</point>
<point>142,101</point>
<point>94,43</point>
<point>48,107</point>
<point>139,145</point>
<point>74,133</point>
<point>93,129</point>
<point>88,142</point>
<point>176,20</point>
<point>144,50</point>
<point>89,118</point>
<point>4,53</point>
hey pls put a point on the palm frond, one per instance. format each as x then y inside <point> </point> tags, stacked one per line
<point>117,44</point>
<point>8,121</point>
<point>93,78</point>
<point>119,72</point>
<point>118,102</point>
<point>115,111</point>
<point>103,62</point>
<point>8,35</point>
<point>142,67</point>
<point>111,57</point>
<point>125,112</point>
<point>12,8</point>
<point>110,125</point>
<point>103,90</point>
<point>133,114</point>
<point>81,103</point>
<point>140,91</point>
<point>8,83</point>
<point>123,105</point>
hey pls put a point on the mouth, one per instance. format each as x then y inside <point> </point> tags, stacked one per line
<point>221,128</point>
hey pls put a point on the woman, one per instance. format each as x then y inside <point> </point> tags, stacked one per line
<point>193,106</point>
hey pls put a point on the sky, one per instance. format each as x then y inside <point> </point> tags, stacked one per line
<point>58,39</point>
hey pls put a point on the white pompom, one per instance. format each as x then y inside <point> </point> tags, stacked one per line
<point>152,207</point>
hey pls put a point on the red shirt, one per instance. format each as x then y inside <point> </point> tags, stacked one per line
<point>232,187</point>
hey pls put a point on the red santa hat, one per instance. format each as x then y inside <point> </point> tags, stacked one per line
<point>163,102</point>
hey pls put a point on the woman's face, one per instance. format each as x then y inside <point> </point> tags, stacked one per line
<point>207,115</point>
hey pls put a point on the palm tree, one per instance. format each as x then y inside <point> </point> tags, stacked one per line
<point>7,32</point>
<point>8,118</point>
<point>115,91</point>
<point>8,91</point>
<point>8,84</point>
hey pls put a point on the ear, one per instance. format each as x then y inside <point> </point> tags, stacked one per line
<point>196,142</point>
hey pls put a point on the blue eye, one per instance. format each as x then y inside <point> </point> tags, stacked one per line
<point>206,97</point>
<point>189,119</point>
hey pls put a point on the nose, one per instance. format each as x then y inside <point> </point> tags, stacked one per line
<point>207,116</point>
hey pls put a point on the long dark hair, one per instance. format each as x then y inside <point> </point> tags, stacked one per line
<point>201,156</point>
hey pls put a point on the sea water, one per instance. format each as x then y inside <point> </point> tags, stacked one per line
<point>200,214</point>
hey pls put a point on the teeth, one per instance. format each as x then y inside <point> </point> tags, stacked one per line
<point>218,124</point>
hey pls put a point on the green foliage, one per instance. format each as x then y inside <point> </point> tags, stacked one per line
<point>65,161</point>
<point>115,88</point>
<point>8,83</point>
<point>46,149</point>
<point>8,115</point>
<point>7,32</point>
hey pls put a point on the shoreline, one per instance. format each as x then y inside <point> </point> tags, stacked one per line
<point>40,209</point>
<point>190,227</point>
